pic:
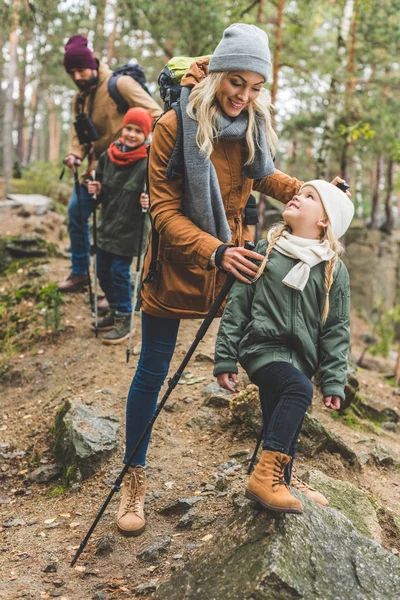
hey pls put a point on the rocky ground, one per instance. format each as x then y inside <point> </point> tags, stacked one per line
<point>197,458</point>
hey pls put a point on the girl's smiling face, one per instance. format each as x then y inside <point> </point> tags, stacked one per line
<point>305,214</point>
<point>237,90</point>
<point>133,136</point>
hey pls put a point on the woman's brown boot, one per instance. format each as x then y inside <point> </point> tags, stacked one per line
<point>267,484</point>
<point>130,516</point>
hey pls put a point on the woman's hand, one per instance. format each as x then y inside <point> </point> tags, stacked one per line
<point>94,187</point>
<point>235,261</point>
<point>340,180</point>
<point>144,201</point>
<point>223,381</point>
<point>332,402</point>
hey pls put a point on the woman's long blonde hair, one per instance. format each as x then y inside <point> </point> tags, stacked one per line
<point>330,265</point>
<point>204,109</point>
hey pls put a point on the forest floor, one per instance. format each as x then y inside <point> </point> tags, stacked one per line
<point>42,368</point>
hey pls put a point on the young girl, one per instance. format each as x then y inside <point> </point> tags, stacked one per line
<point>120,181</point>
<point>289,324</point>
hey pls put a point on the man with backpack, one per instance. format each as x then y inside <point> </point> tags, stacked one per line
<point>99,106</point>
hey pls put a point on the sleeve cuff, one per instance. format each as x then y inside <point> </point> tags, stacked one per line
<point>225,366</point>
<point>333,390</point>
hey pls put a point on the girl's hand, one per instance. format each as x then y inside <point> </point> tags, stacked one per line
<point>340,180</point>
<point>332,402</point>
<point>223,380</point>
<point>144,201</point>
<point>235,261</point>
<point>94,187</point>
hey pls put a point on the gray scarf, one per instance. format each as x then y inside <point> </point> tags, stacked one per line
<point>202,200</point>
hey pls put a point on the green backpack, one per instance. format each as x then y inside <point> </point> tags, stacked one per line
<point>170,77</point>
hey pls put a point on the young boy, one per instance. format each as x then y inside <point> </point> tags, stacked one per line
<point>119,186</point>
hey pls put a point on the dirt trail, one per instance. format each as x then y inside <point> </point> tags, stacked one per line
<point>35,555</point>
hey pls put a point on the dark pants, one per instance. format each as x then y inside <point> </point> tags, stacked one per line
<point>114,275</point>
<point>78,228</point>
<point>285,395</point>
<point>158,345</point>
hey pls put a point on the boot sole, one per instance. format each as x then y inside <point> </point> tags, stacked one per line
<point>280,509</point>
<point>102,328</point>
<point>77,288</point>
<point>115,342</point>
<point>134,533</point>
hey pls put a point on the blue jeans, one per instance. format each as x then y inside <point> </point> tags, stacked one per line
<point>114,273</point>
<point>285,395</point>
<point>79,264</point>
<point>158,345</point>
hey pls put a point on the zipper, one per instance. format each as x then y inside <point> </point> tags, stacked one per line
<point>292,318</point>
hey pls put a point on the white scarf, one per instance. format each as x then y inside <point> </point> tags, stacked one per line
<point>309,252</point>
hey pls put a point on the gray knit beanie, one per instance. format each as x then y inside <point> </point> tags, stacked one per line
<point>242,48</point>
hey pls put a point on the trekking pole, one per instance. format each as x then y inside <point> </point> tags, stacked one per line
<point>172,383</point>
<point>85,248</point>
<point>138,268</point>
<point>96,310</point>
<point>253,458</point>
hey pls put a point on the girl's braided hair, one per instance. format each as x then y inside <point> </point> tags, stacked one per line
<point>330,265</point>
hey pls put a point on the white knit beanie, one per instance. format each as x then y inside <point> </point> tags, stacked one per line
<point>242,48</point>
<point>338,207</point>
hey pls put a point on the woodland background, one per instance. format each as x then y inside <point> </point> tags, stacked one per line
<point>335,85</point>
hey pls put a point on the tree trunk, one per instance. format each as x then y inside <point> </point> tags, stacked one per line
<point>277,55</point>
<point>358,188</point>
<point>21,105</point>
<point>54,131</point>
<point>332,106</point>
<point>99,38</point>
<point>113,35</point>
<point>9,102</point>
<point>376,194</point>
<point>388,224</point>
<point>260,11</point>
<point>34,111</point>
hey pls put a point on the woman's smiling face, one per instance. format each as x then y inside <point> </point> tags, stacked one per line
<point>237,90</point>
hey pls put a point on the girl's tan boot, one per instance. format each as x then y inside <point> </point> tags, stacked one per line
<point>308,491</point>
<point>267,484</point>
<point>130,516</point>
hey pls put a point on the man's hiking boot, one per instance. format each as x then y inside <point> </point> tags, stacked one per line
<point>120,332</point>
<point>308,491</point>
<point>73,283</point>
<point>106,323</point>
<point>267,484</point>
<point>130,516</point>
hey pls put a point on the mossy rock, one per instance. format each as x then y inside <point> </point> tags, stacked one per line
<point>84,438</point>
<point>259,555</point>
<point>351,501</point>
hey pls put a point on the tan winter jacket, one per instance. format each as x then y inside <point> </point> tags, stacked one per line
<point>105,115</point>
<point>187,287</point>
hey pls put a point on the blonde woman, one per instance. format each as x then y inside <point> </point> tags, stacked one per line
<point>289,324</point>
<point>198,226</point>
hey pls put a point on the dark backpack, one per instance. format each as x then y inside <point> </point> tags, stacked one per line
<point>132,70</point>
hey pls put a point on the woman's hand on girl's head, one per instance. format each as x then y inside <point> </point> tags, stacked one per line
<point>332,402</point>
<point>340,180</point>
<point>144,201</point>
<point>223,380</point>
<point>94,187</point>
<point>235,261</point>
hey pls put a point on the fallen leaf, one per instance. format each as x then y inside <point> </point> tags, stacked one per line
<point>207,537</point>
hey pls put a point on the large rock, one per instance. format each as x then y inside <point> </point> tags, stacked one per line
<point>316,438</point>
<point>84,437</point>
<point>318,555</point>
<point>29,246</point>
<point>351,501</point>
<point>40,204</point>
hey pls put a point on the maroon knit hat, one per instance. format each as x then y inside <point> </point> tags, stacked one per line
<point>77,55</point>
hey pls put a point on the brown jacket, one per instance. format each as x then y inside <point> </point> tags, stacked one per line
<point>187,287</point>
<point>105,115</point>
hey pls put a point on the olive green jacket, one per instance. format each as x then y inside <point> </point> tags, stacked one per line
<point>121,213</point>
<point>268,321</point>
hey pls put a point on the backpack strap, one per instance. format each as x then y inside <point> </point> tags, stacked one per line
<point>122,105</point>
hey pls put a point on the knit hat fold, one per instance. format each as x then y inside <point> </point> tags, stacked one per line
<point>77,54</point>
<point>242,48</point>
<point>338,207</point>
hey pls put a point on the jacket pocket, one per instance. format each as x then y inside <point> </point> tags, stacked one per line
<point>344,303</point>
<point>184,285</point>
